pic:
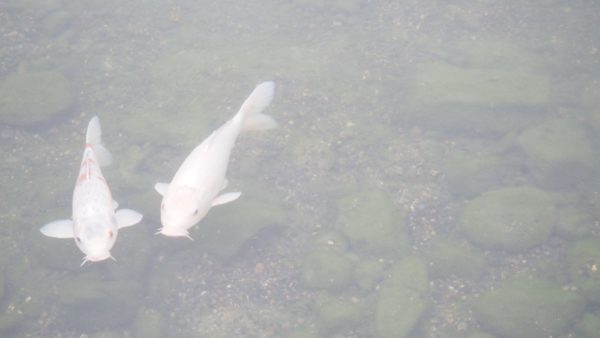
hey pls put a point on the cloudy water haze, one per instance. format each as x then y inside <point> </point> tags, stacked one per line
<point>434,171</point>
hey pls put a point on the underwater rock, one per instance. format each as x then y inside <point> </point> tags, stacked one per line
<point>559,153</point>
<point>33,97</point>
<point>368,272</point>
<point>329,270</point>
<point>330,240</point>
<point>588,326</point>
<point>574,223</point>
<point>528,309</point>
<point>149,323</point>
<point>301,333</point>
<point>476,94</point>
<point>402,298</point>
<point>583,259</point>
<point>337,315</point>
<point>370,222</point>
<point>469,175</point>
<point>448,258</point>
<point>513,219</point>
<point>225,233</point>
<point>94,303</point>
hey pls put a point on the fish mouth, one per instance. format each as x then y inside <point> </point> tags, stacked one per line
<point>96,258</point>
<point>174,232</point>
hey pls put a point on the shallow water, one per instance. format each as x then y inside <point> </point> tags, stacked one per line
<point>434,172</point>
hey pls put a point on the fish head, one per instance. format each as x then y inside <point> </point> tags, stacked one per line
<point>95,238</point>
<point>180,209</point>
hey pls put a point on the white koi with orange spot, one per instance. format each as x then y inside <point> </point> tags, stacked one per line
<point>94,223</point>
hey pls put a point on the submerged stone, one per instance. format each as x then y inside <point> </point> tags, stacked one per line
<point>583,261</point>
<point>402,298</point>
<point>368,272</point>
<point>149,323</point>
<point>559,153</point>
<point>588,326</point>
<point>490,86</point>
<point>94,303</point>
<point>327,270</point>
<point>574,223</point>
<point>449,257</point>
<point>370,222</point>
<point>337,315</point>
<point>528,309</point>
<point>229,228</point>
<point>514,218</point>
<point>34,97</point>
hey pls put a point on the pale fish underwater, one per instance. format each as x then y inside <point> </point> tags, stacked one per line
<point>196,186</point>
<point>94,223</point>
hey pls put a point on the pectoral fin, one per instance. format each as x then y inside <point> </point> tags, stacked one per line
<point>127,217</point>
<point>115,205</point>
<point>58,229</point>
<point>161,188</point>
<point>226,198</point>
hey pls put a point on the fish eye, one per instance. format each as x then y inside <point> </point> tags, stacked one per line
<point>110,233</point>
<point>78,239</point>
<point>195,212</point>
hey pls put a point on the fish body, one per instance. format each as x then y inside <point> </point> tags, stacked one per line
<point>197,184</point>
<point>94,224</point>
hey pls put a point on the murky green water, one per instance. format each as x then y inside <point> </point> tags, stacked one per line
<point>434,173</point>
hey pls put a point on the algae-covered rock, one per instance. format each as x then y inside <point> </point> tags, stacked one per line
<point>301,333</point>
<point>583,261</point>
<point>229,228</point>
<point>449,257</point>
<point>574,223</point>
<point>486,86</point>
<point>336,315</point>
<point>30,98</point>
<point>149,323</point>
<point>330,240</point>
<point>513,218</point>
<point>528,309</point>
<point>402,298</point>
<point>368,272</point>
<point>92,302</point>
<point>469,175</point>
<point>588,326</point>
<point>370,222</point>
<point>559,152</point>
<point>327,270</point>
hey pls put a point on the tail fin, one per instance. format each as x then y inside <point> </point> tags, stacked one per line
<point>93,137</point>
<point>251,109</point>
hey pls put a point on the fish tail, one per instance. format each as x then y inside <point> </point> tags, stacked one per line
<point>251,110</point>
<point>93,137</point>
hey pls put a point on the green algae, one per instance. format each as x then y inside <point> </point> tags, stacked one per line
<point>583,259</point>
<point>33,97</point>
<point>330,270</point>
<point>528,308</point>
<point>402,298</point>
<point>368,272</point>
<point>448,257</point>
<point>368,219</point>
<point>224,233</point>
<point>513,218</point>
<point>588,326</point>
<point>560,153</point>
<point>338,314</point>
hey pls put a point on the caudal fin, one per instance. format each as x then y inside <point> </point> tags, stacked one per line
<point>251,109</point>
<point>93,137</point>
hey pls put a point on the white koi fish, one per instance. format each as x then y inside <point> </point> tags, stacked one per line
<point>197,184</point>
<point>94,223</point>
